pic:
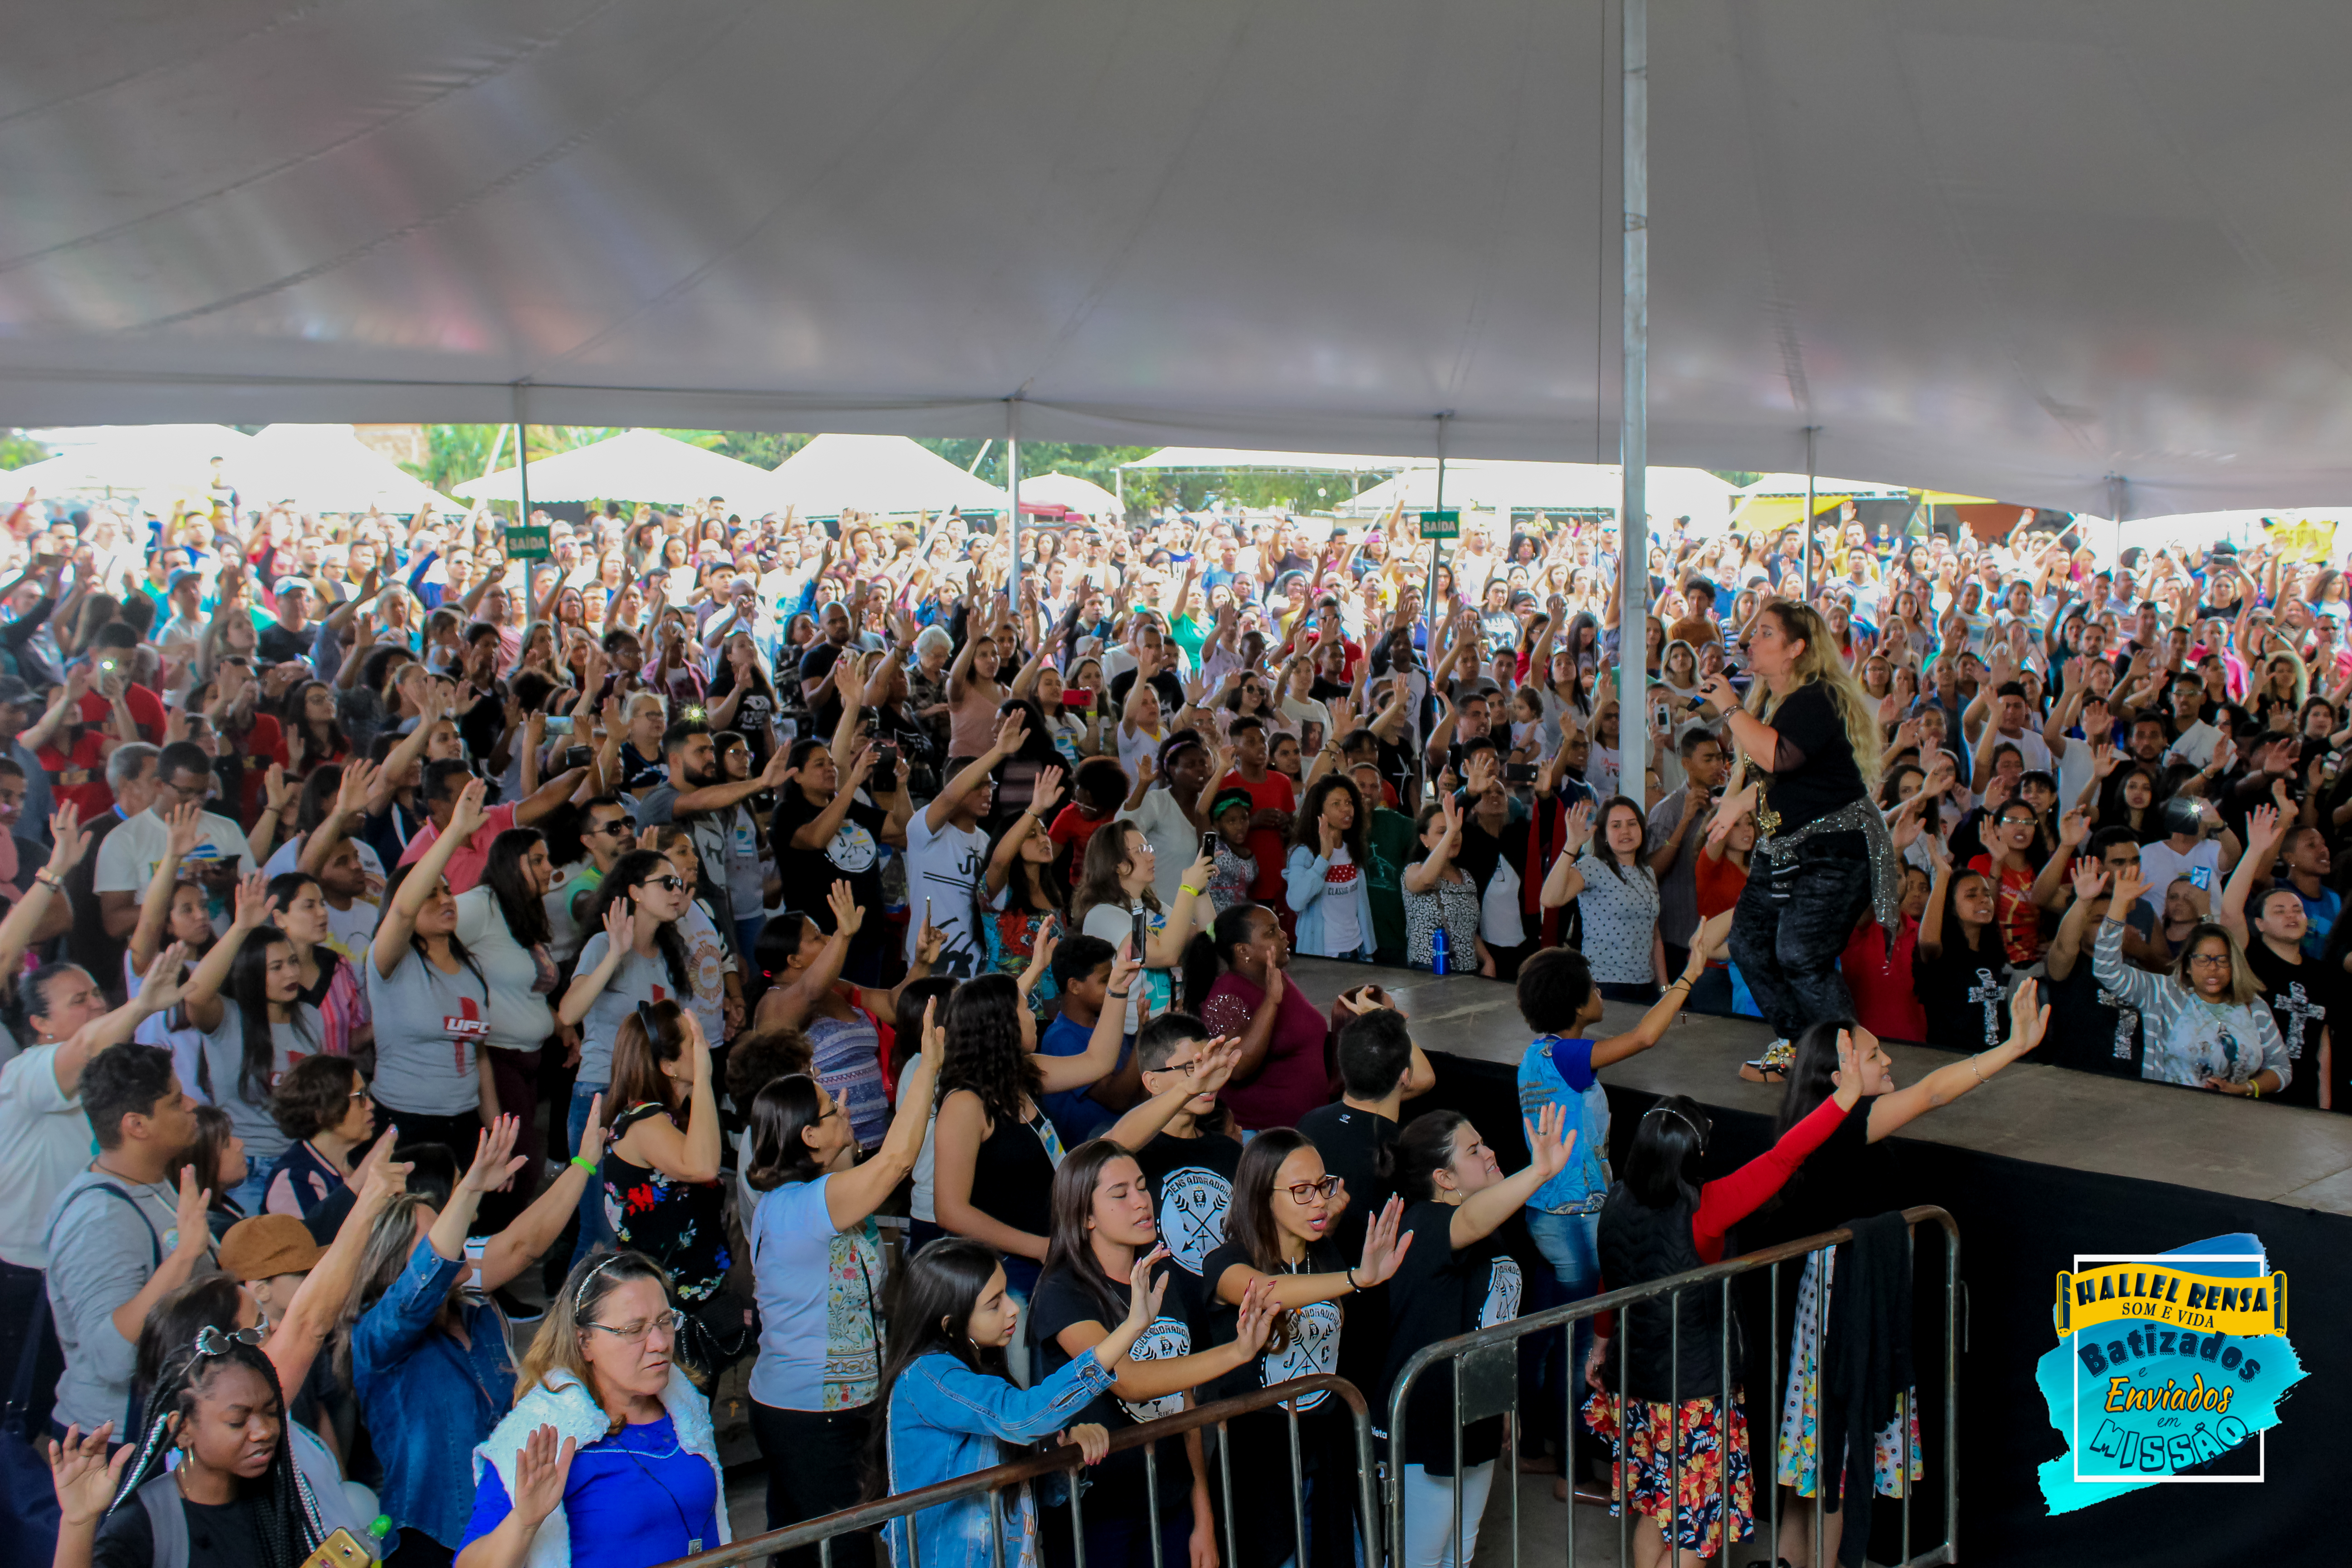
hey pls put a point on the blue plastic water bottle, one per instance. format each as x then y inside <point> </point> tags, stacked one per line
<point>1437,949</point>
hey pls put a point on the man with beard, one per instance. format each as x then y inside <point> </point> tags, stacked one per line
<point>821,667</point>
<point>697,795</point>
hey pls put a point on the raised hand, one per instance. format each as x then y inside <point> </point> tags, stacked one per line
<point>468,813</point>
<point>183,824</point>
<point>379,1175</point>
<point>192,1229</point>
<point>1550,1142</point>
<point>1580,827</point>
<point>621,926</point>
<point>1047,793</point>
<point>2073,827</point>
<point>495,1161</point>
<point>2129,889</point>
<point>159,988</point>
<point>1012,730</point>
<point>2262,830</point>
<point>2028,1019</point>
<point>70,840</point>
<point>1143,1293</point>
<point>1383,1251</point>
<point>1214,1066</point>
<point>542,1467</point>
<point>2089,877</point>
<point>1849,1085</point>
<point>255,907</point>
<point>85,1478</point>
<point>1254,1323</point>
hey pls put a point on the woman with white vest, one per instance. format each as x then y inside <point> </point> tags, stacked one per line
<point>607,1460</point>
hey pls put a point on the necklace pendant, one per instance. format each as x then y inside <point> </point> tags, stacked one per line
<point>694,1545</point>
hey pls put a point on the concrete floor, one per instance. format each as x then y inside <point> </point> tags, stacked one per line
<point>2050,1115</point>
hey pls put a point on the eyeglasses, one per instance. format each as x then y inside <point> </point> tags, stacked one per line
<point>2208,961</point>
<point>1188,1067</point>
<point>1303,1193</point>
<point>211,1340</point>
<point>670,1323</point>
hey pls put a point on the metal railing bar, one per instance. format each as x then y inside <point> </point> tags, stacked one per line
<point>905,1504</point>
<point>1151,1497</point>
<point>1298,1486</point>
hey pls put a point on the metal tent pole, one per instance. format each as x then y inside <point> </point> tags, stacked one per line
<point>522,463</point>
<point>1013,490</point>
<point>1632,513</point>
<point>1805,536</point>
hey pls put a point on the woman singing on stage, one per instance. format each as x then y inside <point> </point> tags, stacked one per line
<point>1822,855</point>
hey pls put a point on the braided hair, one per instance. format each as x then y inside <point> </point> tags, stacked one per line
<point>287,1524</point>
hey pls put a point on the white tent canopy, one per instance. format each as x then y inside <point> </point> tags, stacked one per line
<point>137,459</point>
<point>1079,494</point>
<point>636,465</point>
<point>1560,487</point>
<point>326,467</point>
<point>1218,458</point>
<point>2010,248</point>
<point>833,474</point>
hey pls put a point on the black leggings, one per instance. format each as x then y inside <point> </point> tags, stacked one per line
<point>1787,947</point>
<point>813,1459</point>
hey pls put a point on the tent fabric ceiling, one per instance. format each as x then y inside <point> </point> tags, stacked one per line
<point>2005,248</point>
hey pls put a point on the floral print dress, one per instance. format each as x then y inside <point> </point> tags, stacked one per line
<point>682,1225</point>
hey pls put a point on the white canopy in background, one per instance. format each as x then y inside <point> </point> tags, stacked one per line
<point>135,459</point>
<point>1495,486</point>
<point>2005,248</point>
<point>636,466</point>
<point>1216,459</point>
<point>326,467</point>
<point>1079,494</point>
<point>874,473</point>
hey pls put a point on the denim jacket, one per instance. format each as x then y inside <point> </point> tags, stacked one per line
<point>1303,879</point>
<point>428,1400</point>
<point>946,1420</point>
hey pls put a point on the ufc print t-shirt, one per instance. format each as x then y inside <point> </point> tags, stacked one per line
<point>429,1027</point>
<point>641,977</point>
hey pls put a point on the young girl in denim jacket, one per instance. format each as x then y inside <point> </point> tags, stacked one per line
<point>947,1408</point>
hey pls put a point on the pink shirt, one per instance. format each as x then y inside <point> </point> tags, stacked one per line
<point>465,865</point>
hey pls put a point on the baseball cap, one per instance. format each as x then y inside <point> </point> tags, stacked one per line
<point>15,693</point>
<point>267,1245</point>
<point>184,574</point>
<point>291,584</point>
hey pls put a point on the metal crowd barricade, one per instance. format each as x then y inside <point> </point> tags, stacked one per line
<point>821,1532</point>
<point>1485,1383</point>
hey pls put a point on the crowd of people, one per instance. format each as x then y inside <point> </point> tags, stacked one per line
<point>459,1008</point>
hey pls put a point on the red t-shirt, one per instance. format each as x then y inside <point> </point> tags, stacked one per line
<point>78,774</point>
<point>146,712</point>
<point>2014,913</point>
<point>1885,1000</point>
<point>261,745</point>
<point>1272,793</point>
<point>1076,828</point>
<point>1719,883</point>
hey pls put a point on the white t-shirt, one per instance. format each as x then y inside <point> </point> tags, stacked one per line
<point>127,860</point>
<point>1134,748</point>
<point>1498,908</point>
<point>2077,768</point>
<point>45,1142</point>
<point>2196,745</point>
<point>945,868</point>
<point>520,1018</point>
<point>2162,864</point>
<point>349,932</point>
<point>1342,931</point>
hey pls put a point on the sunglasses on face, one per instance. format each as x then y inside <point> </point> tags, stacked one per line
<point>617,827</point>
<point>672,882</point>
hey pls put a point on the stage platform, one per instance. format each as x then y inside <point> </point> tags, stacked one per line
<point>2047,1115</point>
<point>2040,1167</point>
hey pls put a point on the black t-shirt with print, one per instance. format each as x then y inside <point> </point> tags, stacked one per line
<point>1439,1292</point>
<point>1312,1342</point>
<point>853,856</point>
<point>1962,993</point>
<point>1062,1300</point>
<point>2301,1000</point>
<point>1192,1182</point>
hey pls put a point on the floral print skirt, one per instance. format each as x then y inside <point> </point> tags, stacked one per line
<point>1798,1461</point>
<point>1708,1458</point>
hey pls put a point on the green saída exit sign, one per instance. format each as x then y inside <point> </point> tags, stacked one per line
<point>1445,524</point>
<point>528,544</point>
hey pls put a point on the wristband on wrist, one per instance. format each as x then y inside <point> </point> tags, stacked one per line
<point>1187,888</point>
<point>1116,996</point>
<point>584,1163</point>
